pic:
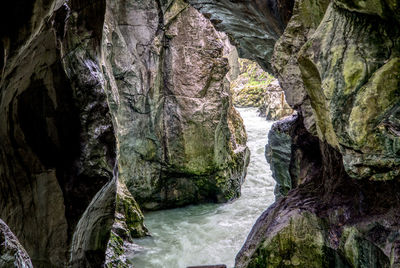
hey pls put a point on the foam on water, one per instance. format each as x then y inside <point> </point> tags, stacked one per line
<point>212,233</point>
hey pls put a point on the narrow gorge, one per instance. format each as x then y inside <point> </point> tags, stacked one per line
<point>115,113</point>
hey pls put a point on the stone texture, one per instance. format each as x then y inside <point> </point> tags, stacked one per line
<point>329,220</point>
<point>40,151</point>
<point>332,65</point>
<point>293,154</point>
<point>57,146</point>
<point>230,52</point>
<point>82,84</point>
<point>278,154</point>
<point>352,78</point>
<point>128,224</point>
<point>251,86</point>
<point>92,232</point>
<point>86,83</point>
<point>12,254</point>
<point>306,17</point>
<point>179,140</point>
<point>253,26</point>
<point>254,87</point>
<point>274,105</point>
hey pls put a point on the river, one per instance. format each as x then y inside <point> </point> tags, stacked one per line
<point>212,233</point>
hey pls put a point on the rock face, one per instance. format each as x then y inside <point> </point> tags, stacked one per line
<point>57,141</point>
<point>306,17</point>
<point>293,154</point>
<point>273,104</point>
<point>337,62</point>
<point>278,154</point>
<point>128,224</point>
<point>179,139</point>
<point>93,90</point>
<point>254,87</point>
<point>251,86</point>
<point>12,254</point>
<point>58,146</point>
<point>253,26</point>
<point>355,90</point>
<point>328,220</point>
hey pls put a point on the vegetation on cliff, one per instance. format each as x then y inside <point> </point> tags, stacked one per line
<point>254,87</point>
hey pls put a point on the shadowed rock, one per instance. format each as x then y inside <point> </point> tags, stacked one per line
<point>253,26</point>
<point>12,254</point>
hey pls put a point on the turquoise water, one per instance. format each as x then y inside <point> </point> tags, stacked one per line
<point>212,233</point>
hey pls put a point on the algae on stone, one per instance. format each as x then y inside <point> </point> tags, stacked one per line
<point>354,90</point>
<point>256,88</point>
<point>128,225</point>
<point>171,107</point>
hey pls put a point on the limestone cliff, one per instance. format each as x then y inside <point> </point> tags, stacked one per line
<point>90,90</point>
<point>179,142</point>
<point>96,94</point>
<point>58,145</point>
<point>338,64</point>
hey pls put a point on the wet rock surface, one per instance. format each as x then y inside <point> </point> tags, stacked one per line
<point>331,62</point>
<point>128,225</point>
<point>339,213</point>
<point>58,146</point>
<point>12,253</point>
<point>328,221</point>
<point>293,154</point>
<point>354,90</point>
<point>86,85</point>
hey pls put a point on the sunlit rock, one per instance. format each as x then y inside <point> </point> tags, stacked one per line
<point>180,141</point>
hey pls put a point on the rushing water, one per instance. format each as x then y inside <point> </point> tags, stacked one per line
<point>212,233</point>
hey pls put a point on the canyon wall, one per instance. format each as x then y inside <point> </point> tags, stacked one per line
<point>104,101</point>
<point>57,138</point>
<point>179,139</point>
<point>337,202</point>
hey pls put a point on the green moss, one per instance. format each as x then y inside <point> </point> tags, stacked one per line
<point>312,83</point>
<point>299,244</point>
<point>360,252</point>
<point>354,71</point>
<point>379,94</point>
<point>115,250</point>
<point>253,83</point>
<point>133,216</point>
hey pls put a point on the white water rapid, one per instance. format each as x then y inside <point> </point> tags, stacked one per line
<point>212,233</point>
